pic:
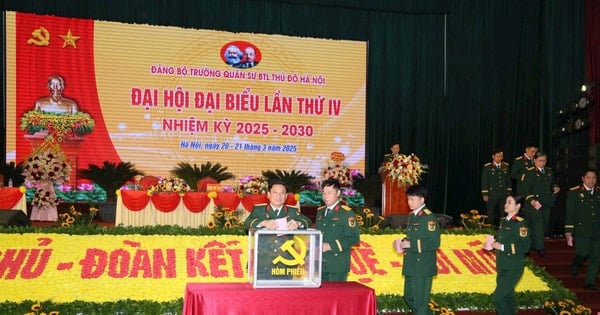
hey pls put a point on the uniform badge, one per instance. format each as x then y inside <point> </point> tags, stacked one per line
<point>523,232</point>
<point>351,222</point>
<point>431,226</point>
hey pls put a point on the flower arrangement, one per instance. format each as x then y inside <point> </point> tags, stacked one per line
<point>473,220</point>
<point>438,310</point>
<point>225,218</point>
<point>74,217</point>
<point>36,309</point>
<point>251,185</point>
<point>565,307</point>
<point>405,169</point>
<point>335,169</point>
<point>367,219</point>
<point>169,184</point>
<point>57,125</point>
<point>46,165</point>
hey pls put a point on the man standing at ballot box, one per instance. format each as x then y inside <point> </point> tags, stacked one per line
<point>275,215</point>
<point>264,216</point>
<point>340,232</point>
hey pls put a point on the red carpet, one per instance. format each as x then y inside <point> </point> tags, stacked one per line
<point>557,262</point>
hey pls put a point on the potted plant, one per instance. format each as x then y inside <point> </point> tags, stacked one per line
<point>294,179</point>
<point>13,172</point>
<point>110,177</point>
<point>191,174</point>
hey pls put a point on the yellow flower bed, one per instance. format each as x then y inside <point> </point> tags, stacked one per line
<point>102,268</point>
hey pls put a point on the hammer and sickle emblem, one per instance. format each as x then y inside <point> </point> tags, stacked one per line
<point>41,37</point>
<point>288,246</point>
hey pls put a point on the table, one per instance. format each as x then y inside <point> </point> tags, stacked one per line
<point>241,299</point>
<point>192,209</point>
<point>13,198</point>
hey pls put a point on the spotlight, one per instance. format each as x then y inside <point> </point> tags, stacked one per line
<point>583,103</point>
<point>581,122</point>
<point>585,87</point>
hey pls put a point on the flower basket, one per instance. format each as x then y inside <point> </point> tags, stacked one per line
<point>335,169</point>
<point>406,170</point>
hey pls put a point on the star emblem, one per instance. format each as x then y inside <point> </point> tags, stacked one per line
<point>69,39</point>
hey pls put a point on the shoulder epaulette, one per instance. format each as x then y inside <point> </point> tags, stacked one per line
<point>427,211</point>
<point>389,154</point>
<point>345,207</point>
<point>504,163</point>
<point>519,158</point>
<point>260,204</point>
<point>488,164</point>
<point>531,168</point>
<point>575,188</point>
<point>321,208</point>
<point>519,218</point>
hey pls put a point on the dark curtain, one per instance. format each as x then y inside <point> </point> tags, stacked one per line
<point>449,80</point>
<point>592,64</point>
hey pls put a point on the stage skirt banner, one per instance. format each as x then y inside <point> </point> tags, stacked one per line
<point>59,267</point>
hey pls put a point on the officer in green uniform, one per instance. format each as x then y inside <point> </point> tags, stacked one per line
<point>521,164</point>
<point>539,189</point>
<point>263,216</point>
<point>495,185</point>
<point>420,248</point>
<point>582,225</point>
<point>340,232</point>
<point>395,152</point>
<point>511,243</point>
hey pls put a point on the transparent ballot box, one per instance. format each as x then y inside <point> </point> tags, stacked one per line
<point>284,259</point>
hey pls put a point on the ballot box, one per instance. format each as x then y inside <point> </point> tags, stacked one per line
<point>284,259</point>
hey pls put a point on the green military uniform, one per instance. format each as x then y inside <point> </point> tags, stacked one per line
<point>389,157</point>
<point>340,229</point>
<point>519,167</point>
<point>513,234</point>
<point>538,185</point>
<point>420,260</point>
<point>495,184</point>
<point>261,212</point>
<point>583,220</point>
<point>270,245</point>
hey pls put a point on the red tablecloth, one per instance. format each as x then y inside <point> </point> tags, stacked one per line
<point>331,298</point>
<point>12,198</point>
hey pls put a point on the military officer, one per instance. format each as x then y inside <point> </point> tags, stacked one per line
<point>420,248</point>
<point>264,216</point>
<point>495,185</point>
<point>511,243</point>
<point>394,153</point>
<point>539,189</point>
<point>340,232</point>
<point>582,224</point>
<point>521,164</point>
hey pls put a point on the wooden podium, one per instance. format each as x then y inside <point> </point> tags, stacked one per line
<point>393,198</point>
